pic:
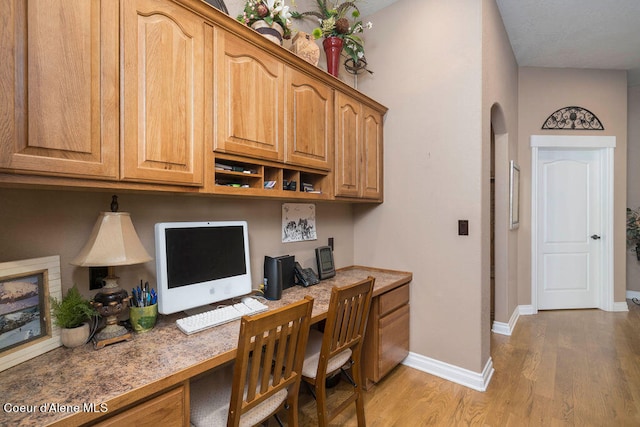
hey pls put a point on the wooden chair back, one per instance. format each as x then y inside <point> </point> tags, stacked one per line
<point>271,350</point>
<point>346,320</point>
<point>344,329</point>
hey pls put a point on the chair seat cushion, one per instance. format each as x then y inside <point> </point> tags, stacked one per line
<point>312,356</point>
<point>210,397</point>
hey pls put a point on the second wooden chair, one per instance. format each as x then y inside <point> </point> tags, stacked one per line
<point>340,343</point>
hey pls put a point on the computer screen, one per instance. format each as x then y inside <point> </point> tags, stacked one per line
<point>199,263</point>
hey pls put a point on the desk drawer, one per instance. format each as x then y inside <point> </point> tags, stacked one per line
<point>168,409</point>
<point>393,299</point>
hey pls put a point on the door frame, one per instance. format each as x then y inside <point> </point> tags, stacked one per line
<point>606,146</point>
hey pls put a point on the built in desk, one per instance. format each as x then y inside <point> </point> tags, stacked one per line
<point>146,381</point>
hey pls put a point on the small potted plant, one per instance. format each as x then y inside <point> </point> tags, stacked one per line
<point>72,315</point>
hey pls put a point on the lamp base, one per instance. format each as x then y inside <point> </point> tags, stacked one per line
<point>111,334</point>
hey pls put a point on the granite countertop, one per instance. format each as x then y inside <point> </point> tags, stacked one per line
<point>66,380</point>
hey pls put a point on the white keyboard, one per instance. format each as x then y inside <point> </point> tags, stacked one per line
<point>201,321</point>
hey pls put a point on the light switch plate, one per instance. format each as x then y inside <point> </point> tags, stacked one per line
<point>463,227</point>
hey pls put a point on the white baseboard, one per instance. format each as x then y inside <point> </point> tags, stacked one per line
<point>506,328</point>
<point>526,310</point>
<point>620,306</point>
<point>474,380</point>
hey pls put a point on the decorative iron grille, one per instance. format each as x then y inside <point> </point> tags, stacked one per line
<point>573,118</point>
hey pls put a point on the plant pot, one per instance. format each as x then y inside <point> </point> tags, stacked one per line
<point>74,337</point>
<point>333,49</point>
<point>272,32</point>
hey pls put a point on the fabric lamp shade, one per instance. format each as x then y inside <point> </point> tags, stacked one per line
<point>113,241</point>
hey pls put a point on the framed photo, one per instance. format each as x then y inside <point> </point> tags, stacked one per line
<point>514,196</point>
<point>26,327</point>
<point>298,222</point>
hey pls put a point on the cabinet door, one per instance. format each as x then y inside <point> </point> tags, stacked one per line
<point>371,177</point>
<point>164,67</point>
<point>59,87</point>
<point>310,113</point>
<point>393,340</point>
<point>348,146</point>
<point>250,100</point>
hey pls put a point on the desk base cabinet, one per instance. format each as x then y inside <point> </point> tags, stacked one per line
<point>386,341</point>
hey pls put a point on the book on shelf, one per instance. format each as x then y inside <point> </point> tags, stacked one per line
<point>223,167</point>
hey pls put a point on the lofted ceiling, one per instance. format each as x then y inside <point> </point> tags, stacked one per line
<point>599,34</point>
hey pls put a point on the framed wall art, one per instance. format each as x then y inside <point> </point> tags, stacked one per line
<point>514,196</point>
<point>26,327</point>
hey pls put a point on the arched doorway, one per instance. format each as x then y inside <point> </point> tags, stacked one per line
<point>499,217</point>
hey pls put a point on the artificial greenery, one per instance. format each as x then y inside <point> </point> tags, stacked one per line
<point>269,11</point>
<point>73,310</point>
<point>332,17</point>
<point>633,227</point>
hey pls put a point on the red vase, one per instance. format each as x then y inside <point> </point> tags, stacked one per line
<point>332,48</point>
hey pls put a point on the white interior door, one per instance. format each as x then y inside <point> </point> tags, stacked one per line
<point>569,229</point>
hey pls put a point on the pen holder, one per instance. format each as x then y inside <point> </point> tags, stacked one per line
<point>143,319</point>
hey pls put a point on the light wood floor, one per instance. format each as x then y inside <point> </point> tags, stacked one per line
<point>559,368</point>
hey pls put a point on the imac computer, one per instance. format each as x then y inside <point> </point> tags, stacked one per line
<point>199,263</point>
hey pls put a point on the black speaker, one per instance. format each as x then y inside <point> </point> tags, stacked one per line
<point>288,264</point>
<point>278,275</point>
<point>272,278</point>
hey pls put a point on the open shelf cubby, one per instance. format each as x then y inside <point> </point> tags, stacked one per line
<point>239,175</point>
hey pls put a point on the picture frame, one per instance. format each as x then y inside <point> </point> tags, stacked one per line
<point>514,196</point>
<point>26,326</point>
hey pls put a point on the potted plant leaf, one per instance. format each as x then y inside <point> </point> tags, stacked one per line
<point>72,314</point>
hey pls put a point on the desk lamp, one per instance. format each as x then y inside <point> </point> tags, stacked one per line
<point>113,242</point>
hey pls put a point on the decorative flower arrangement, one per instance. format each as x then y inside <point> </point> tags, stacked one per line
<point>335,23</point>
<point>270,11</point>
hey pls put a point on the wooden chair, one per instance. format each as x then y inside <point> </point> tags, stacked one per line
<point>340,343</point>
<point>266,375</point>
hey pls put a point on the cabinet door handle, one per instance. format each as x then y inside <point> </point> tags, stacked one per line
<point>595,237</point>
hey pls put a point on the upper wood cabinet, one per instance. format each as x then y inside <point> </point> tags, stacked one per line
<point>59,87</point>
<point>309,121</point>
<point>164,51</point>
<point>372,145</point>
<point>150,94</point>
<point>250,99</point>
<point>358,157</point>
<point>348,141</point>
